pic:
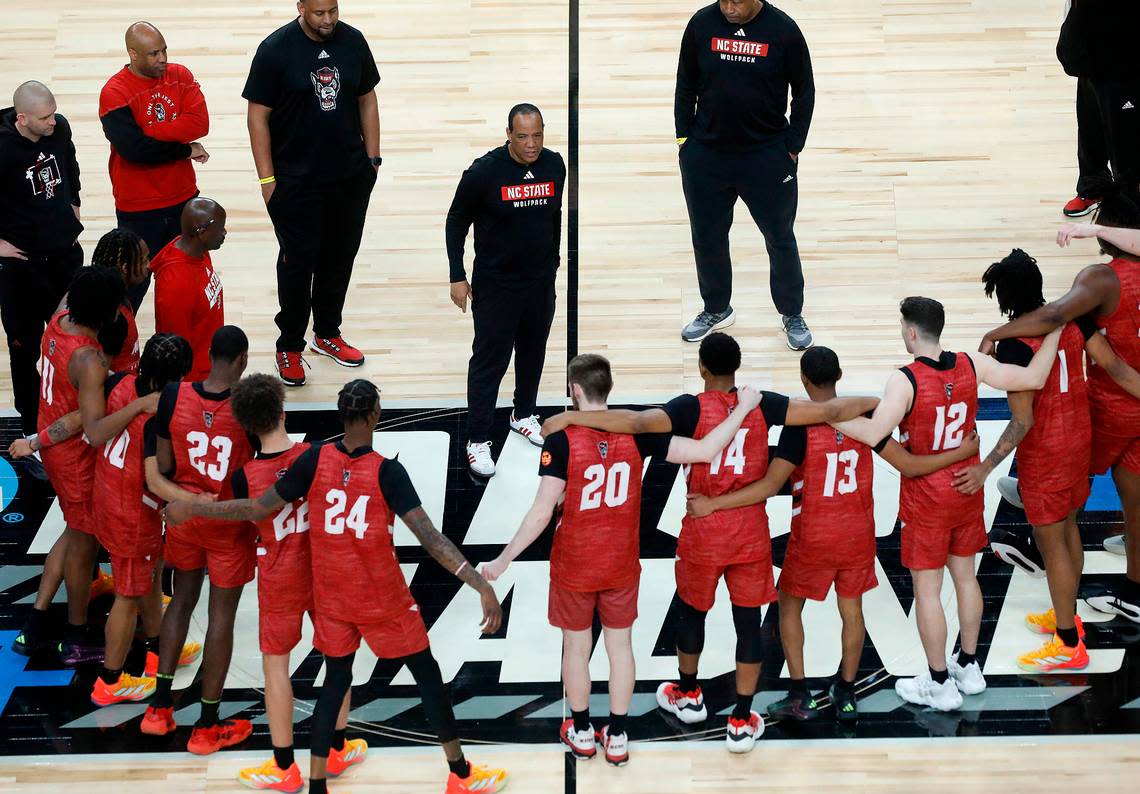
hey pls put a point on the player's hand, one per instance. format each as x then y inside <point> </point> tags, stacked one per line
<point>460,292</point>
<point>698,506</point>
<point>987,346</point>
<point>971,480</point>
<point>205,497</point>
<point>198,153</point>
<point>1075,231</point>
<point>149,404</point>
<point>9,251</point>
<point>492,612</point>
<point>177,513</point>
<point>971,445</point>
<point>494,569</point>
<point>747,397</point>
<point>795,156</point>
<point>21,448</point>
<point>267,191</point>
<point>555,423</point>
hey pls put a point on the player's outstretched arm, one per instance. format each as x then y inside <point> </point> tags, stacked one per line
<point>1117,368</point>
<point>911,465</point>
<point>1086,295</point>
<point>89,371</point>
<point>688,450</point>
<point>60,430</point>
<point>1014,377</point>
<point>971,480</point>
<point>1124,239</point>
<point>890,411</point>
<point>839,409</point>
<point>652,420</point>
<point>165,488</point>
<point>550,490</point>
<point>446,554</point>
<point>779,470</point>
<point>232,510</point>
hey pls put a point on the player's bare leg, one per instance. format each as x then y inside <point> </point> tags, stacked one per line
<point>278,698</point>
<point>219,645</point>
<point>934,689</point>
<point>52,576</point>
<point>159,717</point>
<point>623,675</point>
<point>799,703</point>
<point>577,732</point>
<point>119,631</point>
<point>854,633</point>
<point>969,595</point>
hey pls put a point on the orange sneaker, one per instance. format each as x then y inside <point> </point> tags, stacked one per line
<point>1055,655</point>
<point>190,653</point>
<point>128,689</point>
<point>158,722</point>
<point>481,780</point>
<point>225,733</point>
<point>269,777</point>
<point>1046,623</point>
<point>352,753</point>
<point>101,585</point>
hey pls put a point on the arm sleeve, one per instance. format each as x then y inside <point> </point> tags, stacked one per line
<point>1087,326</point>
<point>166,404</point>
<point>193,120</point>
<point>688,75</point>
<point>684,412</point>
<point>369,74</point>
<point>239,485</point>
<point>263,85</point>
<point>459,219</point>
<point>150,438</point>
<point>555,459</point>
<point>793,445</point>
<point>397,487</point>
<point>1014,351</point>
<point>802,83</point>
<point>653,445</point>
<point>299,478</point>
<point>133,144</point>
<point>774,406</point>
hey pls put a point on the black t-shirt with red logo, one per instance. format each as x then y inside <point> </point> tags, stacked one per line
<point>517,213</point>
<point>313,87</point>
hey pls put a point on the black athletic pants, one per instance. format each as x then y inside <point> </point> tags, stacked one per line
<point>766,179</point>
<point>30,292</point>
<point>506,320</point>
<point>1108,129</point>
<point>157,228</point>
<point>318,229</point>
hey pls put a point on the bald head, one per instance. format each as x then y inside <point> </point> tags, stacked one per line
<point>147,50</point>
<point>35,110</point>
<point>203,224</point>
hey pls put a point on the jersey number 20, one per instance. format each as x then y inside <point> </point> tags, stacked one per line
<point>615,482</point>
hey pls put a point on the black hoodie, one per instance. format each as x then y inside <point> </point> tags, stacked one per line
<point>517,212</point>
<point>1097,40</point>
<point>39,186</point>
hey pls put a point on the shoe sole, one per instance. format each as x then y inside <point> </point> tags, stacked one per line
<point>792,346</point>
<point>255,787</point>
<point>1118,550</point>
<point>685,716</point>
<point>343,363</point>
<point>1109,609</point>
<point>290,382</point>
<point>738,748</point>
<point>526,437</point>
<point>579,754</point>
<point>1080,214</point>
<point>1035,669</point>
<point>1011,555</point>
<point>725,323</point>
<point>619,762</point>
<point>152,732</point>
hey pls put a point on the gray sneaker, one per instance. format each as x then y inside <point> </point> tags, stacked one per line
<point>707,322</point>
<point>799,335</point>
<point>1007,487</point>
<point>1115,544</point>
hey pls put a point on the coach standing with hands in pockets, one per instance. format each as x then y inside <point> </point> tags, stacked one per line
<point>513,196</point>
<point>738,60</point>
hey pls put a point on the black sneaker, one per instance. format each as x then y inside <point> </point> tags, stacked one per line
<point>707,322</point>
<point>28,644</point>
<point>843,698</point>
<point>799,335</point>
<point>796,706</point>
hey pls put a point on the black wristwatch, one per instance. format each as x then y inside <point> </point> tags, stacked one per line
<point>377,161</point>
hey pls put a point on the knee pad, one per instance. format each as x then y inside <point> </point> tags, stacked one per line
<point>690,628</point>
<point>749,623</point>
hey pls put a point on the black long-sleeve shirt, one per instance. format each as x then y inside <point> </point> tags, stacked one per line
<point>733,81</point>
<point>39,187</point>
<point>517,213</point>
<point>129,140</point>
<point>1098,39</point>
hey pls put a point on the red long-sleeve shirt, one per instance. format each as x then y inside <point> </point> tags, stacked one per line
<point>188,302</point>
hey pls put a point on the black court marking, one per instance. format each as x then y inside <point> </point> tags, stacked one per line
<point>493,708</point>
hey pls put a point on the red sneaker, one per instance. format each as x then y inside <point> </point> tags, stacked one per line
<point>1078,206</point>
<point>352,753</point>
<point>289,367</point>
<point>226,733</point>
<point>338,350</point>
<point>158,722</point>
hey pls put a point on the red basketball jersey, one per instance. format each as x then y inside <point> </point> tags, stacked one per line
<point>129,523</point>
<point>739,534</point>
<point>1055,452</point>
<point>58,397</point>
<point>597,543</point>
<point>944,412</point>
<point>833,507</point>
<point>208,445</point>
<point>128,358</point>
<point>1114,410</point>
<point>284,564</point>
<point>356,576</point>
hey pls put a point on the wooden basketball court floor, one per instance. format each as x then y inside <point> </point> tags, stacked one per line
<point>944,135</point>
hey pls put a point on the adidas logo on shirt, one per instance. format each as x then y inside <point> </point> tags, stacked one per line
<point>739,32</point>
<point>323,55</point>
<point>1127,105</point>
<point>529,175</point>
<point>787,179</point>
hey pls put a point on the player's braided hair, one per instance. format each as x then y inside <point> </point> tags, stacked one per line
<point>1017,282</point>
<point>258,401</point>
<point>357,400</point>
<point>94,296</point>
<point>121,249</point>
<point>166,358</point>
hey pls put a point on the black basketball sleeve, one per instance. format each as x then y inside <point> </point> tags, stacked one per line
<point>685,413</point>
<point>1087,326</point>
<point>397,487</point>
<point>239,485</point>
<point>555,458</point>
<point>150,438</point>
<point>792,446</point>
<point>1014,351</point>
<point>111,382</point>
<point>653,445</point>
<point>299,478</point>
<point>774,406</point>
<point>166,403</point>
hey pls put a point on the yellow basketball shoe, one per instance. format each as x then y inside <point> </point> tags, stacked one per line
<point>1055,655</point>
<point>128,689</point>
<point>270,777</point>
<point>480,780</point>
<point>1046,623</point>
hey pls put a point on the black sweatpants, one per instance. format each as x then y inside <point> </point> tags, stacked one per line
<point>157,228</point>
<point>318,229</point>
<point>1108,130</point>
<point>506,320</point>
<point>30,292</point>
<point>766,179</point>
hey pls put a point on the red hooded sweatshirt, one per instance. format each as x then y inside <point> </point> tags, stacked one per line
<point>188,302</point>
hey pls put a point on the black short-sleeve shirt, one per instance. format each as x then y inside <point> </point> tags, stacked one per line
<point>394,482</point>
<point>556,463</point>
<point>685,412</point>
<point>313,87</point>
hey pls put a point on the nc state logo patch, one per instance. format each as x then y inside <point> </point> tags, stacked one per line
<point>949,391</point>
<point>347,474</point>
<point>603,449</point>
<point>208,418</point>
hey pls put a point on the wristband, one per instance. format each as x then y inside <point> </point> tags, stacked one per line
<point>267,180</point>
<point>460,568</point>
<point>44,439</point>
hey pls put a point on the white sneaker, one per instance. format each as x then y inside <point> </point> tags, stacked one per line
<point>1115,544</point>
<point>1007,487</point>
<point>969,678</point>
<point>922,691</point>
<point>581,743</point>
<point>688,707</point>
<point>479,458</point>
<point>529,428</point>
<point>1112,604</point>
<point>616,747</point>
<point>741,735</point>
